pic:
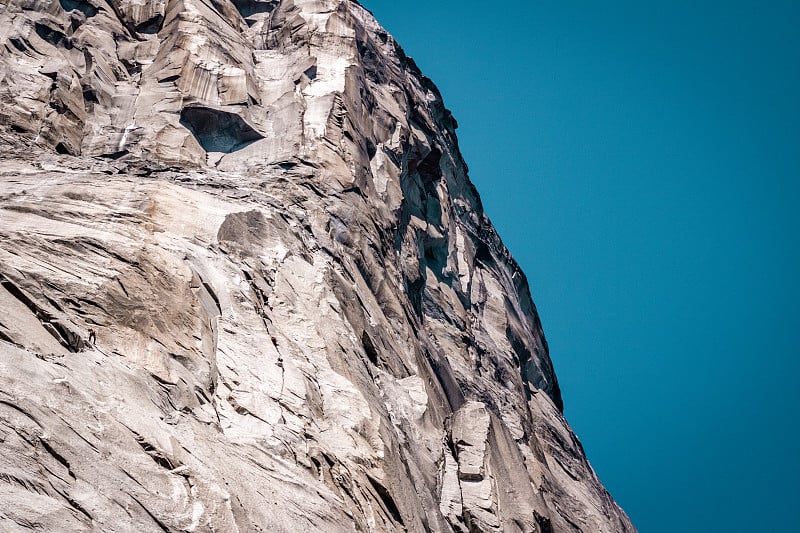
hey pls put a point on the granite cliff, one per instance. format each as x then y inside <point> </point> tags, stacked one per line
<point>304,320</point>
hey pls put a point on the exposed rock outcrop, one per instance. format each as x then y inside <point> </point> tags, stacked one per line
<point>193,178</point>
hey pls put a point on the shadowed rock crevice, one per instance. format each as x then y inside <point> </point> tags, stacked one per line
<point>218,131</point>
<point>62,333</point>
<point>81,5</point>
<point>387,500</point>
<point>51,35</point>
<point>152,25</point>
<point>248,8</point>
<point>369,349</point>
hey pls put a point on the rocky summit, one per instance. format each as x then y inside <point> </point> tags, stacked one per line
<point>246,285</point>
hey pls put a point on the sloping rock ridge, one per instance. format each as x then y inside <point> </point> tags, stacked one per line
<point>304,320</point>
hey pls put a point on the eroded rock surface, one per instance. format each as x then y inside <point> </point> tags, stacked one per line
<point>191,178</point>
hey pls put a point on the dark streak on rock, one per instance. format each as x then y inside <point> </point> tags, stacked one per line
<point>153,517</point>
<point>20,410</point>
<point>157,456</point>
<point>57,456</point>
<point>387,500</point>
<point>78,507</point>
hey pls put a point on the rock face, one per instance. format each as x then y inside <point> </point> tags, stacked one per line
<point>192,179</point>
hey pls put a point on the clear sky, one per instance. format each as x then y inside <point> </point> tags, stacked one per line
<point>641,160</point>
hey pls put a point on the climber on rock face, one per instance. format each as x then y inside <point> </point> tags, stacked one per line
<point>279,362</point>
<point>92,337</point>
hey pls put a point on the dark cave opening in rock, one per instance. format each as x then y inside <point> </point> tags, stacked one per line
<point>218,131</point>
<point>85,7</point>
<point>248,8</point>
<point>151,26</point>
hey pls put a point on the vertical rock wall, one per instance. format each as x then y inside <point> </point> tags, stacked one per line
<point>193,178</point>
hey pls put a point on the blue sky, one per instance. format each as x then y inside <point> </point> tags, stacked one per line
<point>642,162</point>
